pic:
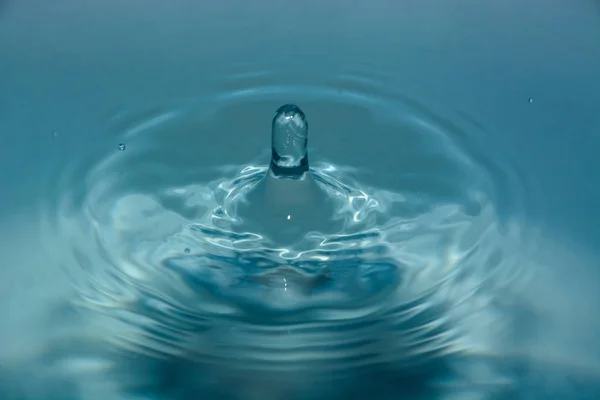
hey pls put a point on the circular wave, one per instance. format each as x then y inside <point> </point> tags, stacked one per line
<point>425,230</point>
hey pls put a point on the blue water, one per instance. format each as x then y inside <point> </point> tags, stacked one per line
<point>444,247</point>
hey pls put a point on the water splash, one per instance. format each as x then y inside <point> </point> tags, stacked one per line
<point>285,204</point>
<point>260,274</point>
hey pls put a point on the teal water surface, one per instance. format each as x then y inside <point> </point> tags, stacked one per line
<point>446,247</point>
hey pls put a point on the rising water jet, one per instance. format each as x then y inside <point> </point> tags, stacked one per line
<point>288,203</point>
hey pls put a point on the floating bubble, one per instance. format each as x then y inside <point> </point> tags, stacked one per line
<point>121,146</point>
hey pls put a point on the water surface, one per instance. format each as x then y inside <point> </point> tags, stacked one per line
<point>459,139</point>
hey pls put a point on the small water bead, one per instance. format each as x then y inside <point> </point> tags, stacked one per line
<point>289,139</point>
<point>121,146</point>
<point>531,100</point>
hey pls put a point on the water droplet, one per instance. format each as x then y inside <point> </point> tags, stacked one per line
<point>531,99</point>
<point>121,146</point>
<point>55,134</point>
<point>289,139</point>
<point>187,250</point>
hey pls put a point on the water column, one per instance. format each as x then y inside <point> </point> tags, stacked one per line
<point>287,203</point>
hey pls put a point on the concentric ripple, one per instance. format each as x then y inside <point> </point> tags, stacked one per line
<point>416,255</point>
